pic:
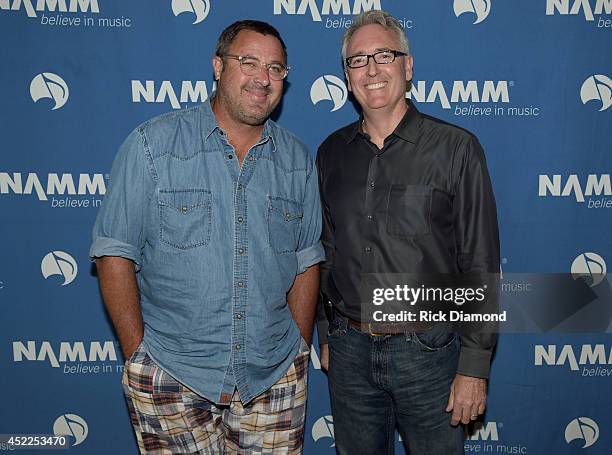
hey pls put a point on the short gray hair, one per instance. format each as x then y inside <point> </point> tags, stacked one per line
<point>381,18</point>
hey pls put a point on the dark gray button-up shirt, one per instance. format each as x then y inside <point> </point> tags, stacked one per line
<point>422,204</point>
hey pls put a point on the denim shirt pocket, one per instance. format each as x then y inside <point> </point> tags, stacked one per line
<point>185,217</point>
<point>284,221</point>
<point>409,210</point>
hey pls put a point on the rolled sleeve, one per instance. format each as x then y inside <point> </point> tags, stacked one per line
<point>310,256</point>
<point>105,246</point>
<point>310,251</point>
<point>119,227</point>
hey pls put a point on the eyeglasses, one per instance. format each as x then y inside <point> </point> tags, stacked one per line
<point>382,58</point>
<point>250,66</point>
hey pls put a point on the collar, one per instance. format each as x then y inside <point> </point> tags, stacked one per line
<point>407,129</point>
<point>268,134</point>
<point>207,117</point>
<point>209,124</point>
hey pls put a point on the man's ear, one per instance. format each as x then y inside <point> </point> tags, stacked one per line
<point>408,62</point>
<point>217,63</point>
<point>348,80</point>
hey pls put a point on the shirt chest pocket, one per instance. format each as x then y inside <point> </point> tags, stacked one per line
<point>284,222</point>
<point>185,217</point>
<point>409,210</point>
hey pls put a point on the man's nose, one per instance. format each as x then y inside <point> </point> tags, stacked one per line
<point>372,67</point>
<point>263,76</point>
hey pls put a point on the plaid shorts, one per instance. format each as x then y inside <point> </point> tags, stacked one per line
<point>170,418</point>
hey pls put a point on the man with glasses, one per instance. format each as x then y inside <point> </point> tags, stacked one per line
<point>207,246</point>
<point>402,193</point>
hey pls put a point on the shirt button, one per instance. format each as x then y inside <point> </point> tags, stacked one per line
<point>238,347</point>
<point>240,186</point>
<point>241,250</point>
<point>250,157</point>
<point>370,217</point>
<point>371,184</point>
<point>184,209</point>
<point>238,315</point>
<point>230,156</point>
<point>240,219</point>
<point>240,284</point>
<point>367,249</point>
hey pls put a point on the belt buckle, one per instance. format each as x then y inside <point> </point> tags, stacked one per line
<point>372,333</point>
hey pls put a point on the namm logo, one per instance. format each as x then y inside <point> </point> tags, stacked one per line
<point>150,91</point>
<point>588,8</point>
<point>318,8</point>
<point>594,185</point>
<point>480,8</point>
<point>61,264</point>
<point>61,6</point>
<point>329,87</point>
<point>485,437</point>
<point>485,431</point>
<point>597,88</point>
<point>323,429</point>
<point>582,429</point>
<point>52,184</point>
<point>200,8</point>
<point>590,266</point>
<point>588,355</point>
<point>461,91</point>
<point>71,425</point>
<point>51,86</point>
<point>77,351</point>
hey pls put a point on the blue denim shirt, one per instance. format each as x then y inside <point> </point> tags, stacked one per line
<point>216,247</point>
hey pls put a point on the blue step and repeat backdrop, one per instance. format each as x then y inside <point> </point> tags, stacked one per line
<point>531,78</point>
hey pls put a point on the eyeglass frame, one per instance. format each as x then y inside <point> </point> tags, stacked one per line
<point>261,65</point>
<point>373,56</point>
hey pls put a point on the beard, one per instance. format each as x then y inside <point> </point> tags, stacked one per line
<point>253,114</point>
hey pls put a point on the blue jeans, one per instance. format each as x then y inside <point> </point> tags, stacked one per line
<point>379,382</point>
